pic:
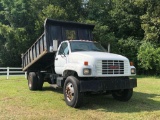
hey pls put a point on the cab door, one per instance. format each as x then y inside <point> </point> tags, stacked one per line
<point>61,58</point>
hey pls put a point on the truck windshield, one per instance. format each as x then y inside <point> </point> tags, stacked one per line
<point>86,46</point>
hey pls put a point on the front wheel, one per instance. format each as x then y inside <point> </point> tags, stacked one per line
<point>71,91</point>
<point>122,95</point>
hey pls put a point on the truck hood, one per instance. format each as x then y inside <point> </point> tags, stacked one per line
<point>99,55</point>
<point>92,57</point>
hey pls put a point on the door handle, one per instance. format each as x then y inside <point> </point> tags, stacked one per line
<point>56,58</point>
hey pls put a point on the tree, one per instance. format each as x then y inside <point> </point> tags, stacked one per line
<point>149,57</point>
<point>125,17</point>
<point>151,21</point>
<point>51,11</point>
<point>73,9</point>
<point>98,10</point>
<point>16,29</point>
<point>129,47</point>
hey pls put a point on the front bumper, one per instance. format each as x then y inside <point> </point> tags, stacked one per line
<point>108,83</point>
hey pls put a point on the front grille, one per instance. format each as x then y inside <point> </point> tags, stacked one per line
<point>110,67</point>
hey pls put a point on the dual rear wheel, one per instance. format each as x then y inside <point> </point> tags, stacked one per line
<point>35,81</point>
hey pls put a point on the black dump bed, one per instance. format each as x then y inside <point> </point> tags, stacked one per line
<point>39,56</point>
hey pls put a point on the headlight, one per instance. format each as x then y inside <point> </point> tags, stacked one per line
<point>133,71</point>
<point>86,71</point>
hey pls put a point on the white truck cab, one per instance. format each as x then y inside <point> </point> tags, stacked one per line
<point>90,59</point>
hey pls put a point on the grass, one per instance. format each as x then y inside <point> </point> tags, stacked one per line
<point>17,102</point>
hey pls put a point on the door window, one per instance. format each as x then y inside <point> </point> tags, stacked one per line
<point>64,49</point>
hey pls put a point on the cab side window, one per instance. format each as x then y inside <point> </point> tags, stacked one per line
<point>64,49</point>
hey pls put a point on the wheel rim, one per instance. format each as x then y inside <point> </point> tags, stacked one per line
<point>69,92</point>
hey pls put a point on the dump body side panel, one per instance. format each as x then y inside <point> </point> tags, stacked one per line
<point>34,53</point>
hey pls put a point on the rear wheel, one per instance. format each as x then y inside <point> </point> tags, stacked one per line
<point>71,91</point>
<point>40,81</point>
<point>32,81</point>
<point>122,95</point>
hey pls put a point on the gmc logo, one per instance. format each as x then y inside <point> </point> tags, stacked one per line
<point>113,67</point>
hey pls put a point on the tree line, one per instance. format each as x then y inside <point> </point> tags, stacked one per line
<point>132,27</point>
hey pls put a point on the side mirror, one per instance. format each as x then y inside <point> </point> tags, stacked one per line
<point>54,48</point>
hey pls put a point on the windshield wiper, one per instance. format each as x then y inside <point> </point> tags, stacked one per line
<point>96,49</point>
<point>78,50</point>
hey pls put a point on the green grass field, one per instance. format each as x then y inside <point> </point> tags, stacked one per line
<point>18,103</point>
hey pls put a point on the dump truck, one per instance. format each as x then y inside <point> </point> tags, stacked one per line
<point>66,56</point>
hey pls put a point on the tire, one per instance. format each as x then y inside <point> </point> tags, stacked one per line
<point>122,95</point>
<point>40,81</point>
<point>32,81</point>
<point>71,91</point>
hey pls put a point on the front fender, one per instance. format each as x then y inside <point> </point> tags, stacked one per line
<point>78,68</point>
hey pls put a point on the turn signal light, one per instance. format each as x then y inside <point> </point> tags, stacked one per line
<point>131,64</point>
<point>86,63</point>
